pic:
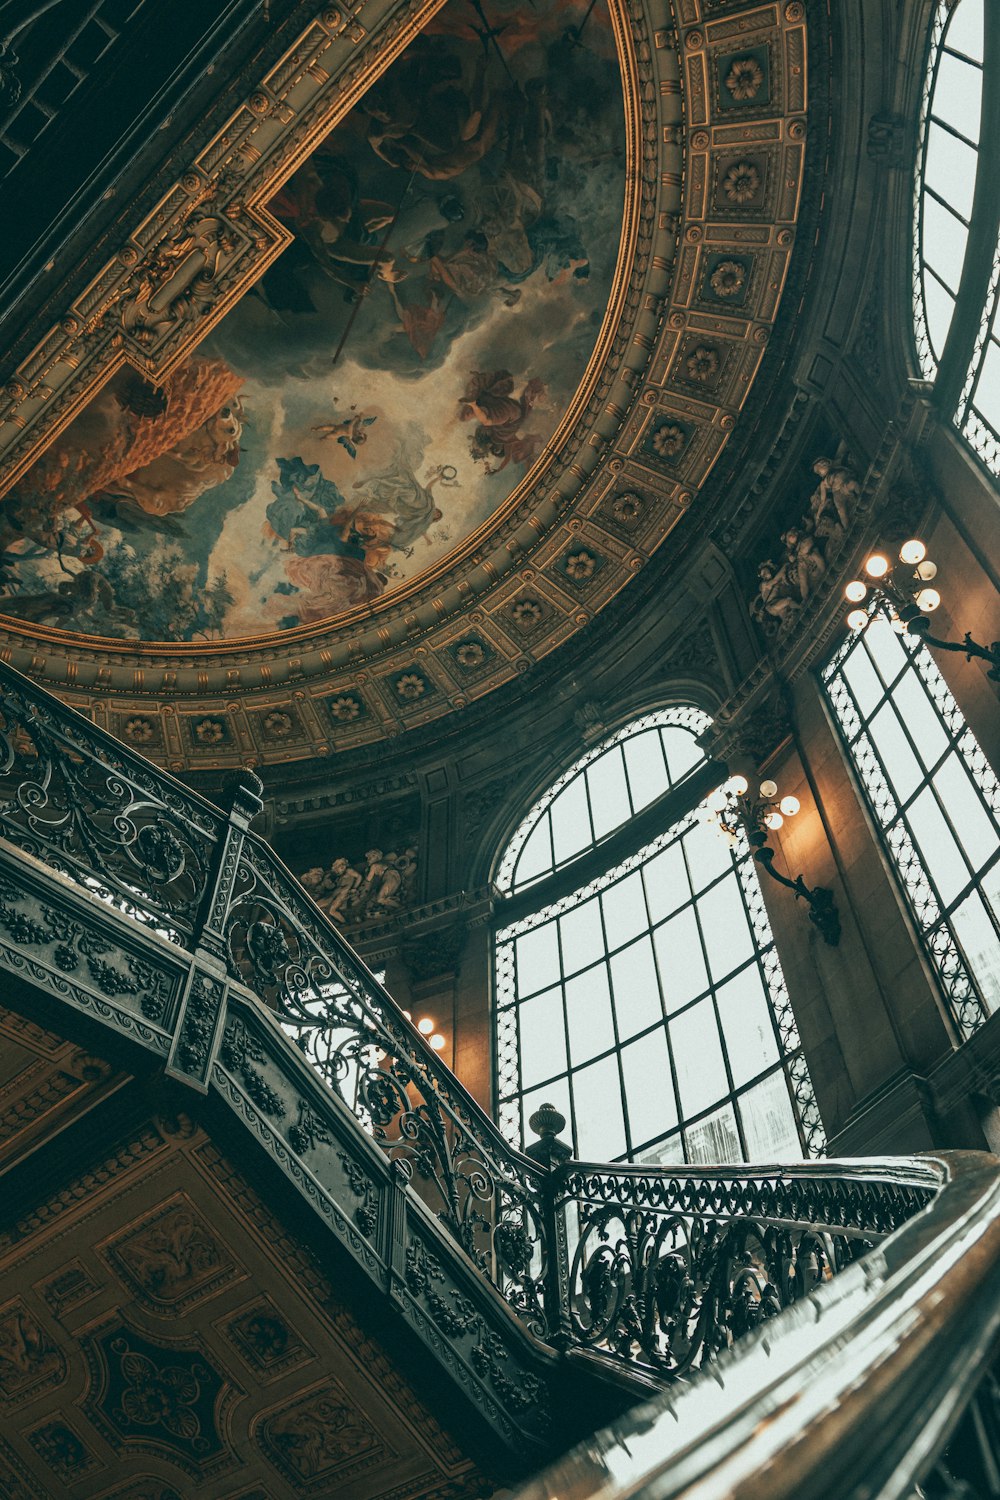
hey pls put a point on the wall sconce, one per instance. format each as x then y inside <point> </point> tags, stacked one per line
<point>907,590</point>
<point>736,808</point>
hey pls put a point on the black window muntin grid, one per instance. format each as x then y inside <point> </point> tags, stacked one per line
<point>688,719</point>
<point>956,369</point>
<point>763,958</point>
<point>942,944</point>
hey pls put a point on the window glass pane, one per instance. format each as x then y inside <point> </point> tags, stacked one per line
<point>725,927</point>
<point>939,306</point>
<point>958,94</point>
<point>769,1121</point>
<point>588,1014</point>
<point>680,959</point>
<point>886,649</point>
<point>637,994</point>
<point>965,29</point>
<point>649,1090</point>
<point>600,1121</point>
<point>665,878</point>
<point>536,856</point>
<point>945,236</point>
<point>537,959</point>
<point>582,938</point>
<point>976,830</point>
<point>746,1026</point>
<point>682,752</point>
<point>701,1072</point>
<point>624,910</point>
<point>570,822</point>
<point>978,937</point>
<point>647,773</point>
<point>608,796</point>
<point>867,686</point>
<point>951,169</point>
<point>714,1139</point>
<point>988,388</point>
<point>543,1037</point>
<point>942,854</point>
<point>707,853</point>
<point>666,1153</point>
<point>894,750</point>
<point>554,1092</point>
<point>921,718</point>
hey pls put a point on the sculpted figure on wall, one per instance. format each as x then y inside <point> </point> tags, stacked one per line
<point>784,587</point>
<point>375,886</point>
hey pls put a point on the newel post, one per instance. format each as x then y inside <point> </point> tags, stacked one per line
<point>196,1033</point>
<point>551,1154</point>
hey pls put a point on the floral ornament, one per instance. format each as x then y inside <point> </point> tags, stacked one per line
<point>580,566</point>
<point>745,78</point>
<point>410,686</point>
<point>345,709</point>
<point>702,363</point>
<point>279,724</point>
<point>668,440</point>
<point>627,507</point>
<point>741,182</point>
<point>470,654</point>
<point>154,1398</point>
<point>139,731</point>
<point>525,613</point>
<point>209,731</point>
<point>728,278</point>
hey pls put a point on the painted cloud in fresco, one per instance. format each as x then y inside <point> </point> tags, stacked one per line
<point>388,381</point>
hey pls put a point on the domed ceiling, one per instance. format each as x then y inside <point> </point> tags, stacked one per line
<point>409,370</point>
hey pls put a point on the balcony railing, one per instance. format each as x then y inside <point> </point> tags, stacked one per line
<point>661,1273</point>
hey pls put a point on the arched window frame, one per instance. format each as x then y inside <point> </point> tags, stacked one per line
<point>971,350</point>
<point>665,823</point>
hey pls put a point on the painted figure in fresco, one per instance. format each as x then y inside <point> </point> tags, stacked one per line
<point>397,492</point>
<point>423,117</point>
<point>489,400</point>
<point>350,432</point>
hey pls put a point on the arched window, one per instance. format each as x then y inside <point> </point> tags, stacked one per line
<point>637,984</point>
<point>956,241</point>
<point>935,800</point>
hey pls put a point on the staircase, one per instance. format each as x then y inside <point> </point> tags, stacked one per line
<point>812,1330</point>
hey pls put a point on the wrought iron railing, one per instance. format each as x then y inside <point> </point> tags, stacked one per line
<point>662,1272</point>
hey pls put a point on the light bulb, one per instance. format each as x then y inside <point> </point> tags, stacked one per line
<point>717,800</point>
<point>926,570</point>
<point>408,1014</point>
<point>738,785</point>
<point>877,566</point>
<point>438,1042</point>
<point>773,819</point>
<point>789,806</point>
<point>858,619</point>
<point>425,1025</point>
<point>928,599</point>
<point>912,552</point>
<point>768,788</point>
<point>855,591</point>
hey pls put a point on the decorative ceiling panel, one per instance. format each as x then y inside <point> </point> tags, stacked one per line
<point>372,573</point>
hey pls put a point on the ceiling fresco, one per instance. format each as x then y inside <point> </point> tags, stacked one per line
<point>374,398</point>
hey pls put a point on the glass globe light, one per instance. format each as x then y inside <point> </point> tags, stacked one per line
<point>768,788</point>
<point>928,599</point>
<point>877,566</point>
<point>408,1014</point>
<point>717,800</point>
<point>438,1042</point>
<point>789,806</point>
<point>926,570</point>
<point>858,619</point>
<point>425,1025</point>
<point>773,819</point>
<point>855,591</point>
<point>738,785</point>
<point>912,552</point>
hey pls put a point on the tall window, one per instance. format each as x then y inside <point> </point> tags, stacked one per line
<point>935,799</point>
<point>956,243</point>
<point>637,984</point>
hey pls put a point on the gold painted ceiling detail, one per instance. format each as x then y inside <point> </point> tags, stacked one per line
<point>716,122</point>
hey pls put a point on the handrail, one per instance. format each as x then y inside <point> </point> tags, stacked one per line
<point>854,1393</point>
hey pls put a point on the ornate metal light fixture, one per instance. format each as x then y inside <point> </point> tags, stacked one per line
<point>907,589</point>
<point>736,808</point>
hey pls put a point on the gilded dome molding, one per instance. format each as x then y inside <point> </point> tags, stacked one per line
<point>716,105</point>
